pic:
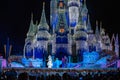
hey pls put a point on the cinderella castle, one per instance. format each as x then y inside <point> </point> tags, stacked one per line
<point>71,35</point>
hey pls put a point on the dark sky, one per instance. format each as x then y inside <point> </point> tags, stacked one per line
<point>15,18</point>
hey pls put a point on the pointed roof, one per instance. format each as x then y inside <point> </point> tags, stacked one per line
<point>42,33</point>
<point>113,38</point>
<point>88,23</point>
<point>43,23</point>
<point>89,28</point>
<point>102,32</point>
<point>97,30</point>
<point>117,45</point>
<point>84,9</point>
<point>81,24</point>
<point>36,27</point>
<point>80,29</point>
<point>116,40</point>
<point>100,27</point>
<point>107,39</point>
<point>31,28</point>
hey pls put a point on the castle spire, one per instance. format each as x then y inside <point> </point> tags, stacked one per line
<point>113,38</point>
<point>102,32</point>
<point>81,29</point>
<point>100,27</point>
<point>89,29</point>
<point>81,35</point>
<point>84,11</point>
<point>116,40</point>
<point>31,29</point>
<point>85,2</point>
<point>62,22</point>
<point>80,23</point>
<point>117,45</point>
<point>111,43</point>
<point>74,10</point>
<point>53,13</point>
<point>43,23</point>
<point>97,30</point>
<point>42,33</point>
<point>31,17</point>
<point>107,42</point>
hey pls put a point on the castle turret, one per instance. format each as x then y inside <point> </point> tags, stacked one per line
<point>84,11</point>
<point>117,46</point>
<point>61,46</point>
<point>43,27</point>
<point>43,23</point>
<point>103,38</point>
<point>91,37</point>
<point>42,37</point>
<point>81,37</point>
<point>112,42</point>
<point>107,42</point>
<point>61,25</point>
<point>80,33</point>
<point>73,8</point>
<point>31,28</point>
<point>98,38</point>
<point>28,49</point>
<point>97,33</point>
<point>89,28</point>
<point>53,14</point>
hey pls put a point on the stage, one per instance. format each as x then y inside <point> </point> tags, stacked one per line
<point>60,70</point>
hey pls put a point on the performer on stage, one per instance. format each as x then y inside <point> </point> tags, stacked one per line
<point>64,62</point>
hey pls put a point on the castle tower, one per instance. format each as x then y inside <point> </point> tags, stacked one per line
<point>112,42</point>
<point>73,9</point>
<point>28,48</point>
<point>62,22</point>
<point>103,38</point>
<point>91,37</point>
<point>31,29</point>
<point>117,46</point>
<point>84,11</point>
<point>42,37</point>
<point>61,47</point>
<point>89,28</point>
<point>107,42</point>
<point>81,37</point>
<point>53,14</point>
<point>97,33</point>
<point>100,28</point>
<point>98,38</point>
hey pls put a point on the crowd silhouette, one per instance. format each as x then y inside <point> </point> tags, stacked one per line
<point>13,74</point>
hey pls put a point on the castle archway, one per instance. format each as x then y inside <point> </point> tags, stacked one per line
<point>61,52</point>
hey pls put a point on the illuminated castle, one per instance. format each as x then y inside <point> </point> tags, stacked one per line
<point>71,35</point>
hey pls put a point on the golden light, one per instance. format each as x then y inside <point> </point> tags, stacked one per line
<point>61,30</point>
<point>61,4</point>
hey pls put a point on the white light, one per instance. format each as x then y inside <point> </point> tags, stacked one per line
<point>73,14</point>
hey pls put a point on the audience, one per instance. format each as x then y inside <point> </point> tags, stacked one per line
<point>57,75</point>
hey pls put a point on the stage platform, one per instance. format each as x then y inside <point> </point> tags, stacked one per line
<point>60,69</point>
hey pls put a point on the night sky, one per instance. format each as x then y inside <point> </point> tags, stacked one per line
<point>15,18</point>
